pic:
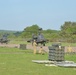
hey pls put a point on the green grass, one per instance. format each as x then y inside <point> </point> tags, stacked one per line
<point>14,61</point>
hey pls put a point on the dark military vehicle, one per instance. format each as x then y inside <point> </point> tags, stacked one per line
<point>4,39</point>
<point>38,38</point>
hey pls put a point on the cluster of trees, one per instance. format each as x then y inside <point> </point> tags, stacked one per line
<point>67,32</point>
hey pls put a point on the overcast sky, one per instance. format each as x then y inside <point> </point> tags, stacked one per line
<point>48,14</point>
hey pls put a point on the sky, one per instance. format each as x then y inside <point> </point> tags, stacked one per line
<point>47,14</point>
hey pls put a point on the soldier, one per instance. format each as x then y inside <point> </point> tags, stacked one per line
<point>41,51</point>
<point>34,46</point>
<point>69,49</point>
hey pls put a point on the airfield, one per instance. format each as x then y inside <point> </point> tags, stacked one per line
<point>16,61</point>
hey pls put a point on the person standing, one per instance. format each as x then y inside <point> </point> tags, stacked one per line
<point>34,46</point>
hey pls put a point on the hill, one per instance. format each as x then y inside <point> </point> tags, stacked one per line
<point>7,31</point>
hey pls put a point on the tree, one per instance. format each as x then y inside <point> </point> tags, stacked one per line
<point>28,31</point>
<point>68,30</point>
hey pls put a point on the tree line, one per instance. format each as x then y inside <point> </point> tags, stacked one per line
<point>67,32</point>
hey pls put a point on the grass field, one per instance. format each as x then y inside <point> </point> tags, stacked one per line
<point>14,61</point>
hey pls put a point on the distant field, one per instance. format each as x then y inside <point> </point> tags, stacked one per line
<point>62,43</point>
<point>17,42</point>
<point>47,44</point>
<point>14,61</point>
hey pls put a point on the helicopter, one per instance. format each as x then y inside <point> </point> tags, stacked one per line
<point>38,38</point>
<point>4,39</point>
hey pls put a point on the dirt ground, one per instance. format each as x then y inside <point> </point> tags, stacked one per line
<point>29,46</point>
